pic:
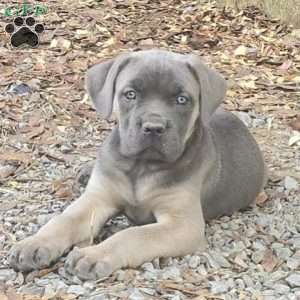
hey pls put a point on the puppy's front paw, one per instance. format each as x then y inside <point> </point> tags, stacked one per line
<point>86,264</point>
<point>31,254</point>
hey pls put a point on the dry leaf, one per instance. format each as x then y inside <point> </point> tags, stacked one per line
<point>261,199</point>
<point>36,131</point>
<point>241,51</point>
<point>247,84</point>
<point>62,189</point>
<point>146,43</point>
<point>61,43</point>
<point>270,261</point>
<point>16,156</point>
<point>294,139</point>
<point>296,124</point>
<point>240,262</point>
<point>8,205</point>
<point>13,295</point>
<point>296,79</point>
<point>35,118</point>
<point>40,273</point>
<point>6,171</point>
<point>286,65</point>
<point>3,296</point>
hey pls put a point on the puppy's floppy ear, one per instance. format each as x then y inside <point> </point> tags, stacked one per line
<point>212,86</point>
<point>100,83</point>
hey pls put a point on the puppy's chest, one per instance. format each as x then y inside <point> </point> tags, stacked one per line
<point>141,182</point>
<point>139,198</point>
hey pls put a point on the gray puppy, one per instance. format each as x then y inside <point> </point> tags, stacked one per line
<point>173,161</point>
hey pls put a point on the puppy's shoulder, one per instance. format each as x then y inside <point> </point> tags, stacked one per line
<point>226,120</point>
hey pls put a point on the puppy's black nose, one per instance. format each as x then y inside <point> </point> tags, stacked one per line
<point>153,128</point>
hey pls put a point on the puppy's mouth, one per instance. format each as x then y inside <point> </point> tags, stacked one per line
<point>156,151</point>
<point>148,149</point>
<point>165,148</point>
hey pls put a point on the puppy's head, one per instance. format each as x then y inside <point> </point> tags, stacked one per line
<point>159,96</point>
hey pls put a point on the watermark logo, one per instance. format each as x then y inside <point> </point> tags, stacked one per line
<point>25,9</point>
<point>24,30</point>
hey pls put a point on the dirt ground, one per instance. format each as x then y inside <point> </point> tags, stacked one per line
<point>48,131</point>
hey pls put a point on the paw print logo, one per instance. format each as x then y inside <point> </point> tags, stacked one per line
<point>24,31</point>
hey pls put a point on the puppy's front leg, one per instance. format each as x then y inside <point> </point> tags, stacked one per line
<point>179,231</point>
<point>81,220</point>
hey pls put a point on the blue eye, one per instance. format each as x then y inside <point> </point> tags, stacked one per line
<point>130,95</point>
<point>182,100</point>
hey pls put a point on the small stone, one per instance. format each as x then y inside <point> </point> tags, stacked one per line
<point>34,83</point>
<point>277,275</point>
<point>220,259</point>
<point>194,262</point>
<point>20,235</point>
<point>293,263</point>
<point>32,289</point>
<point>218,287</point>
<point>202,270</point>
<point>172,272</point>
<point>61,286</point>
<point>283,253</point>
<point>43,219</point>
<point>146,43</point>
<point>257,122</point>
<point>150,275</point>
<point>293,280</point>
<point>240,284</point>
<point>148,291</point>
<point>49,292</point>
<point>6,171</point>
<point>211,261</point>
<point>19,89</point>
<point>248,280</point>
<point>90,285</point>
<point>148,266</point>
<point>295,242</point>
<point>241,51</point>
<point>268,293</point>
<point>258,256</point>
<point>7,274</point>
<point>239,260</point>
<point>66,149</point>
<point>257,245</point>
<point>290,183</point>
<point>156,263</point>
<point>99,297</point>
<point>281,288</point>
<point>121,275</point>
<point>76,290</point>
<point>136,295</point>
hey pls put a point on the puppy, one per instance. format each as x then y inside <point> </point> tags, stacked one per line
<point>174,160</point>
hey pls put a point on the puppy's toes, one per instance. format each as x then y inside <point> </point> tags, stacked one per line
<point>30,254</point>
<point>87,266</point>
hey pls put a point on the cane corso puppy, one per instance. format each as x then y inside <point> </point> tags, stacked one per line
<point>174,160</point>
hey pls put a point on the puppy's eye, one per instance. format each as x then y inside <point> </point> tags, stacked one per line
<point>130,95</point>
<point>182,100</point>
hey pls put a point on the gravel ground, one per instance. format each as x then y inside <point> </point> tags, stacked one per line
<point>254,254</point>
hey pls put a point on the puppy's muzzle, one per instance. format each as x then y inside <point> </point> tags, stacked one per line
<point>153,125</point>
